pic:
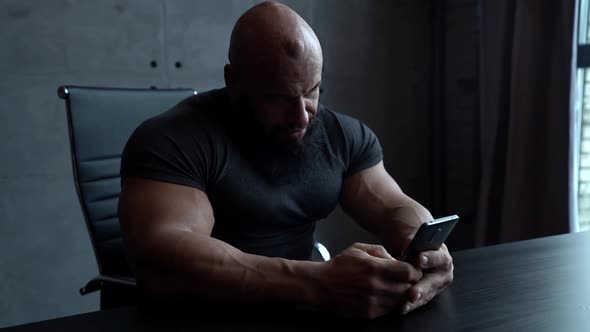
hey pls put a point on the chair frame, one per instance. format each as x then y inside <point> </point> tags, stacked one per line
<point>101,281</point>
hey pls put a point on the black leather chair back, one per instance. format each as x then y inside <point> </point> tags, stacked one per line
<point>100,121</point>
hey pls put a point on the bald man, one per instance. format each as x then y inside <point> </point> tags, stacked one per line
<point>220,195</point>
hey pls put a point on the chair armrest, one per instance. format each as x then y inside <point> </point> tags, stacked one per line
<point>322,251</point>
<point>99,282</point>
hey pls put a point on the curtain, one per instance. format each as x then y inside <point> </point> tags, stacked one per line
<point>526,57</point>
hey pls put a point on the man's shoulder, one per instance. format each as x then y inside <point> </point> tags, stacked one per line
<point>193,113</point>
<point>202,105</point>
<point>209,99</point>
<point>353,140</point>
<point>338,121</point>
<point>176,145</point>
<point>196,119</point>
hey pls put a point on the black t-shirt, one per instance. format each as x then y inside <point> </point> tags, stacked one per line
<point>262,204</point>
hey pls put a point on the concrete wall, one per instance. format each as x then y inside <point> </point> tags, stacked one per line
<point>376,58</point>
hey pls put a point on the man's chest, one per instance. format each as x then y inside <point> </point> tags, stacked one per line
<point>265,196</point>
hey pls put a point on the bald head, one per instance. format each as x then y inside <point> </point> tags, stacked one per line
<point>274,72</point>
<point>271,32</point>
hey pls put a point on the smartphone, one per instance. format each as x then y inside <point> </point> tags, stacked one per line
<point>430,236</point>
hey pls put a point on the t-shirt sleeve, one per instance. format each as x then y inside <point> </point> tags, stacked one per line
<point>364,149</point>
<point>154,153</point>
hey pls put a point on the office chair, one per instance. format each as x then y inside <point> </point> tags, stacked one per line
<point>100,121</point>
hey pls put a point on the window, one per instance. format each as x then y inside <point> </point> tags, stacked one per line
<point>583,107</point>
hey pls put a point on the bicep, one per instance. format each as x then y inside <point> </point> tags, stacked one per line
<point>150,208</point>
<point>372,197</point>
<point>368,192</point>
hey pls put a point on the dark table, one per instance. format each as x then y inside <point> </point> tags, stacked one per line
<point>536,285</point>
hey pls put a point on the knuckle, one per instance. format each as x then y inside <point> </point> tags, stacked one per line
<point>446,281</point>
<point>450,265</point>
<point>380,248</point>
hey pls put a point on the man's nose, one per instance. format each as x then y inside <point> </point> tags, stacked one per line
<point>298,116</point>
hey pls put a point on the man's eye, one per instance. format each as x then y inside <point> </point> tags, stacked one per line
<point>313,92</point>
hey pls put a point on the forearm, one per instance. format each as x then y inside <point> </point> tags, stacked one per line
<point>399,222</point>
<point>378,204</point>
<point>206,267</point>
<point>394,221</point>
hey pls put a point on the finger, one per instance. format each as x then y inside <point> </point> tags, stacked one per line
<point>373,250</point>
<point>414,300</point>
<point>422,292</point>
<point>425,290</point>
<point>391,289</point>
<point>435,259</point>
<point>409,306</point>
<point>400,271</point>
<point>434,281</point>
<point>387,266</point>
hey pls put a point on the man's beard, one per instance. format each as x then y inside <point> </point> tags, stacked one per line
<point>291,162</point>
<point>282,163</point>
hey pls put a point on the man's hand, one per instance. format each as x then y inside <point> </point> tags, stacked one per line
<point>438,275</point>
<point>365,281</point>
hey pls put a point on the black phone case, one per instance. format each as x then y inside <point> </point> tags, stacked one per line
<point>430,236</point>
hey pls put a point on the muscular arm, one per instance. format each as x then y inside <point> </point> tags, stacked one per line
<point>376,202</point>
<point>167,230</point>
